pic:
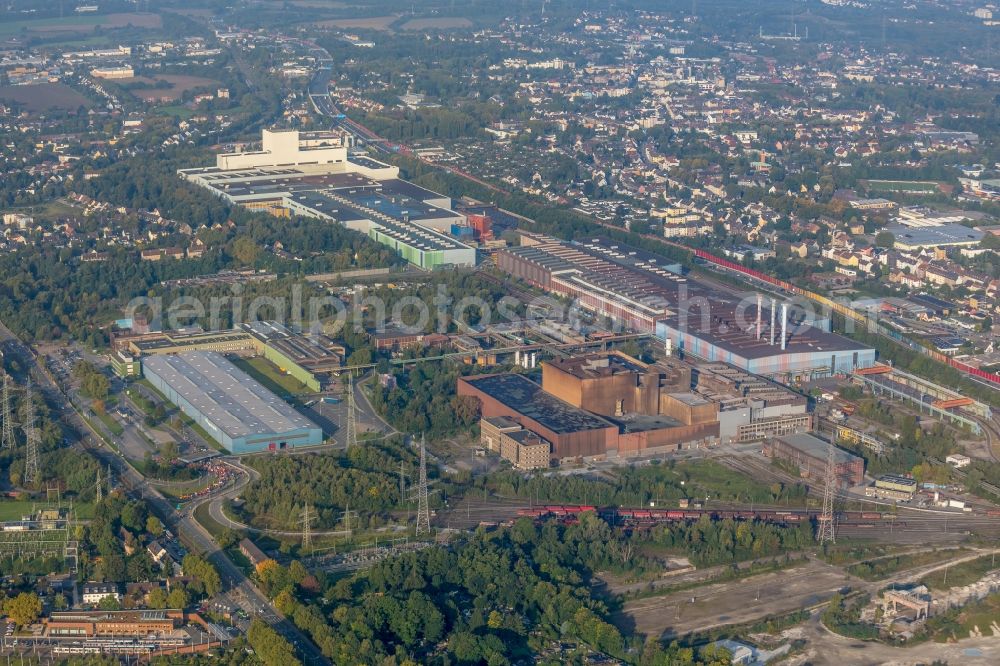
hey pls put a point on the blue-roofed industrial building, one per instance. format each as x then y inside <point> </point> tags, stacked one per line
<point>232,407</point>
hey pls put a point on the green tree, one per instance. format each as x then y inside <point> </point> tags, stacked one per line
<point>109,603</point>
<point>154,526</point>
<point>23,609</point>
<point>885,239</point>
<point>269,645</point>
<point>157,598</point>
<point>177,598</point>
<point>245,250</point>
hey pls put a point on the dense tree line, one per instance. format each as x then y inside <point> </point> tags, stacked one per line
<point>494,598</point>
<point>638,486</point>
<point>364,478</point>
<point>269,646</point>
<point>103,557</point>
<point>708,543</point>
<point>424,400</point>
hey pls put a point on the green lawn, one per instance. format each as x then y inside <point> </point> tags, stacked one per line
<point>174,491</point>
<point>961,574</point>
<point>112,425</point>
<point>76,27</point>
<point>876,569</point>
<point>709,477</point>
<point>191,423</point>
<point>913,186</point>
<point>176,110</point>
<point>15,509</point>
<point>10,28</point>
<point>270,376</point>
<point>202,516</point>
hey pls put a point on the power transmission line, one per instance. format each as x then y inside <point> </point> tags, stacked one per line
<point>307,518</point>
<point>402,483</point>
<point>423,508</point>
<point>346,515</point>
<point>7,440</point>
<point>352,422</point>
<point>32,470</point>
<point>826,533</point>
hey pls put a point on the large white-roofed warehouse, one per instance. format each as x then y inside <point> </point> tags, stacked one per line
<point>230,405</point>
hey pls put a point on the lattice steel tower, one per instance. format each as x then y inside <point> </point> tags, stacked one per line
<point>307,518</point>
<point>98,487</point>
<point>32,469</point>
<point>352,422</point>
<point>423,508</point>
<point>402,483</point>
<point>826,532</point>
<point>7,439</point>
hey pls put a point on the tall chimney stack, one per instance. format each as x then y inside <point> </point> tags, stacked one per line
<point>784,325</point>
<point>760,299</point>
<point>774,307</point>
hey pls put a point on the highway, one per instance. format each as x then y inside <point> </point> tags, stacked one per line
<point>183,524</point>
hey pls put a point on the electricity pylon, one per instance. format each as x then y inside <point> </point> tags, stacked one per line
<point>346,516</point>
<point>402,483</point>
<point>352,423</point>
<point>423,508</point>
<point>7,439</point>
<point>98,487</point>
<point>307,518</point>
<point>32,469</point>
<point>826,532</point>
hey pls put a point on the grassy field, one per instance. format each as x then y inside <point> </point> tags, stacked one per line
<point>961,574</point>
<point>443,23</point>
<point>882,567</point>
<point>111,424</point>
<point>911,186</point>
<point>270,376</point>
<point>45,96</point>
<point>202,516</point>
<point>178,111</point>
<point>83,23</point>
<point>373,23</point>
<point>709,477</point>
<point>179,84</point>
<point>16,509</point>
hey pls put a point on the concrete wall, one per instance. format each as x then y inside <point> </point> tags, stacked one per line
<point>666,440</point>
<point>687,413</point>
<point>635,392</point>
<point>291,367</point>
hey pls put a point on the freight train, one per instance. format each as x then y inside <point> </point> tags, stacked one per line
<point>640,517</point>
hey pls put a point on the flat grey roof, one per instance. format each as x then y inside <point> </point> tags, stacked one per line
<point>943,234</point>
<point>816,448</point>
<point>225,395</point>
